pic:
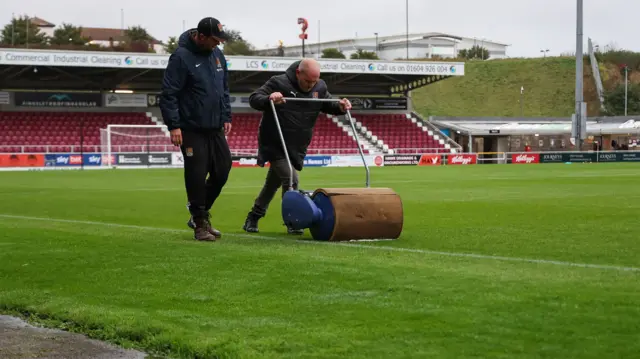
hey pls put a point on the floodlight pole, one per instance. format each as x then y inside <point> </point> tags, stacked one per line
<point>626,88</point>
<point>407,23</point>
<point>579,74</point>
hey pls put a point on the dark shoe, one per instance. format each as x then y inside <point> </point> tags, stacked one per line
<point>201,231</point>
<point>251,223</point>
<point>192,224</point>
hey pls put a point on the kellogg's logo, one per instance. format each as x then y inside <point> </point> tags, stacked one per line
<point>461,159</point>
<point>525,158</point>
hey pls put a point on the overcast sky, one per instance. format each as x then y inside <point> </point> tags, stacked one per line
<point>526,25</point>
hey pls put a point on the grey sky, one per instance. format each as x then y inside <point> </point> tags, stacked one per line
<point>527,25</point>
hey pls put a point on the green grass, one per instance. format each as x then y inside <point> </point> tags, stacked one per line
<point>492,88</point>
<point>270,296</point>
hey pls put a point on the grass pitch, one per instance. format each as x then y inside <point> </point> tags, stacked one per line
<point>537,261</point>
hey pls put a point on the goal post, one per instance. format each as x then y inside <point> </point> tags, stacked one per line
<point>136,146</point>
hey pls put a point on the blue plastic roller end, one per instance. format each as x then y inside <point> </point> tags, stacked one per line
<point>299,211</point>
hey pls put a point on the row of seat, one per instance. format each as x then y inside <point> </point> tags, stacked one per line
<point>51,131</point>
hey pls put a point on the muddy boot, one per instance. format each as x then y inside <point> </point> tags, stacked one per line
<point>201,232</point>
<point>251,223</point>
<point>216,233</point>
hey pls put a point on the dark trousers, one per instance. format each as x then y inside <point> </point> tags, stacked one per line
<point>277,177</point>
<point>205,153</point>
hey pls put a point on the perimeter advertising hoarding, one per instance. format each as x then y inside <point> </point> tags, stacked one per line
<point>57,99</point>
<point>462,159</point>
<point>144,159</point>
<point>70,160</point>
<point>431,159</point>
<point>125,100</point>
<point>356,161</point>
<point>525,158</point>
<point>378,103</point>
<point>21,160</point>
<point>401,160</point>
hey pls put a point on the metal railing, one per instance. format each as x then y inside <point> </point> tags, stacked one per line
<point>172,148</point>
<point>85,148</point>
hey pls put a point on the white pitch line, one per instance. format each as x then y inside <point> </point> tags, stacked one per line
<point>342,244</point>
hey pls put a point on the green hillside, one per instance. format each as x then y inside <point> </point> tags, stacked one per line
<point>492,88</point>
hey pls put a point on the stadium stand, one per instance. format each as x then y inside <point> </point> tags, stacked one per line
<point>51,132</point>
<point>56,106</point>
<point>48,132</point>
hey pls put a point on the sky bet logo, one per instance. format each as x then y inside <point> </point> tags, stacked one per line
<point>128,60</point>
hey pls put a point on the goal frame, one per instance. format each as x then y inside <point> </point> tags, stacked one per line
<point>108,131</point>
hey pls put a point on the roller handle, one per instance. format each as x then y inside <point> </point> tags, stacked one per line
<point>353,127</point>
<point>284,145</point>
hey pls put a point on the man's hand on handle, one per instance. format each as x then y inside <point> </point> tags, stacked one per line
<point>277,98</point>
<point>176,137</point>
<point>345,105</point>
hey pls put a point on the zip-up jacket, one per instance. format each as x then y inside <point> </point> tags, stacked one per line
<point>195,88</point>
<point>297,119</point>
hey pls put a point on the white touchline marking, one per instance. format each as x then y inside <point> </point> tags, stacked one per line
<point>342,244</point>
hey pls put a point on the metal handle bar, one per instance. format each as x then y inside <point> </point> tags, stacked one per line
<point>349,118</point>
<point>302,99</point>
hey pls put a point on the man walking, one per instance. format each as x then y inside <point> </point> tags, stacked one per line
<point>297,120</point>
<point>196,109</point>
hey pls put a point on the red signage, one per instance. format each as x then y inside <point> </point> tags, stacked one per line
<point>21,160</point>
<point>430,160</point>
<point>462,159</point>
<point>75,160</point>
<point>525,158</point>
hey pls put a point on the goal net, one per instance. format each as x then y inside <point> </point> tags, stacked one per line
<point>136,145</point>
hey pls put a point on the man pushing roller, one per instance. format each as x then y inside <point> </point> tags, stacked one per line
<point>297,120</point>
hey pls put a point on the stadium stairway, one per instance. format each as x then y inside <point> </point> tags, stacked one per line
<point>435,132</point>
<point>368,147</point>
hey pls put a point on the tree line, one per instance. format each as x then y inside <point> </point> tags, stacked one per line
<point>21,32</point>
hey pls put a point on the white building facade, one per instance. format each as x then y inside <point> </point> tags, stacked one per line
<point>422,45</point>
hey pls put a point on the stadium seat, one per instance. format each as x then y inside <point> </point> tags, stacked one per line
<point>61,132</point>
<point>400,133</point>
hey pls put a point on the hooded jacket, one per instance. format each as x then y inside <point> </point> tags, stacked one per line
<point>297,119</point>
<point>195,90</point>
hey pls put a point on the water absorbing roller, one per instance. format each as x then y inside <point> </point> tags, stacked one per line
<point>341,214</point>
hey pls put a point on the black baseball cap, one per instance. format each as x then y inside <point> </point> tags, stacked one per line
<point>210,26</point>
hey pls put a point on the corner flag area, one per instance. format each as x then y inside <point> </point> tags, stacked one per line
<point>494,260</point>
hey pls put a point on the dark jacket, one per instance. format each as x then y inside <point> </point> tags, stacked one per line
<point>297,119</point>
<point>195,90</point>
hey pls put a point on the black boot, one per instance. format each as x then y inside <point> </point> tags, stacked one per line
<point>251,223</point>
